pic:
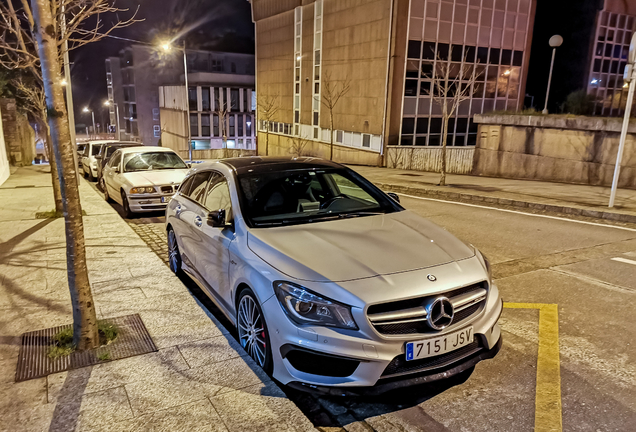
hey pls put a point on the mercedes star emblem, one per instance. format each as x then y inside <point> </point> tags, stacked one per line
<point>440,313</point>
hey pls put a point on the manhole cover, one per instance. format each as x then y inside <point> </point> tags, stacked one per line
<point>33,362</point>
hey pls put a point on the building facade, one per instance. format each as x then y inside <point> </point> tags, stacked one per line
<point>135,77</point>
<point>385,52</point>
<point>614,26</point>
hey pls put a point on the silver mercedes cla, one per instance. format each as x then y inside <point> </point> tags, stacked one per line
<point>333,286</point>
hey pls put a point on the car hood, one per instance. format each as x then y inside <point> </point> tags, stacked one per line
<point>159,177</point>
<point>356,248</point>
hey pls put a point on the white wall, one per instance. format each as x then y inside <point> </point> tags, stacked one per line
<point>4,162</point>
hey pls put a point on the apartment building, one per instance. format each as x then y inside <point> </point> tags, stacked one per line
<point>135,77</point>
<point>614,26</point>
<point>386,51</point>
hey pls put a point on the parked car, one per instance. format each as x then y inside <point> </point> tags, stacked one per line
<point>143,179</point>
<point>80,149</point>
<point>333,286</point>
<point>88,162</point>
<point>105,154</point>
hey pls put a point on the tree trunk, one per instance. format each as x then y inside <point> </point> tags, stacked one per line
<point>57,195</point>
<point>331,130</point>
<point>85,334</point>
<point>442,178</point>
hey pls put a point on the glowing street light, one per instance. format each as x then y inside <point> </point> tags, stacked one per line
<point>108,104</point>
<point>88,110</point>
<point>555,42</point>
<point>506,73</point>
<point>167,47</point>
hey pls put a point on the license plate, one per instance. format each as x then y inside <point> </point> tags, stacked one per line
<point>166,199</point>
<point>440,345</point>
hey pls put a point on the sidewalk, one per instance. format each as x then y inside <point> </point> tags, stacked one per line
<point>199,379</point>
<point>579,200</point>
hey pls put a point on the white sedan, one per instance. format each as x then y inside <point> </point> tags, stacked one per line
<point>143,179</point>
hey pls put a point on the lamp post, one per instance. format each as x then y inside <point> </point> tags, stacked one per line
<point>167,47</point>
<point>555,42</point>
<point>109,103</point>
<point>629,77</point>
<point>86,109</point>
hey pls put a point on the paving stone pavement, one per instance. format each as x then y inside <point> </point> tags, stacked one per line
<point>198,380</point>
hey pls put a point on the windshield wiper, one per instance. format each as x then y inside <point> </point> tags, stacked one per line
<point>359,213</point>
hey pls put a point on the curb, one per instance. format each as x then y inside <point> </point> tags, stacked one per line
<point>485,200</point>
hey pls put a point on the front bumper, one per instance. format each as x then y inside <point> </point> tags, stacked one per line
<point>372,352</point>
<point>151,203</point>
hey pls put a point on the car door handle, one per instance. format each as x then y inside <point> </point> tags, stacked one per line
<point>198,221</point>
<point>179,208</point>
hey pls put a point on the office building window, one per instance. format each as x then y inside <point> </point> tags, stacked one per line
<point>232,125</point>
<point>233,67</point>
<point>239,121</point>
<point>205,98</point>
<point>192,99</point>
<point>205,125</point>
<point>245,107</point>
<point>155,114</point>
<point>217,98</point>
<point>234,99</point>
<point>248,125</point>
<point>215,125</point>
<point>194,125</point>
<point>157,130</point>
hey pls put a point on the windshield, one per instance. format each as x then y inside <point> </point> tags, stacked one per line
<point>309,195</point>
<point>95,148</point>
<point>112,149</point>
<point>150,161</point>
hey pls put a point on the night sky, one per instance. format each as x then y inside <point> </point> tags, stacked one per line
<point>224,25</point>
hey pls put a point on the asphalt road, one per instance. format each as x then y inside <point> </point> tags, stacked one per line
<point>585,383</point>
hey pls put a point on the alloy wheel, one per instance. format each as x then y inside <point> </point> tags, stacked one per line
<point>252,330</point>
<point>174,258</point>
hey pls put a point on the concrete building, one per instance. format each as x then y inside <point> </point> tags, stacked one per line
<point>386,50</point>
<point>614,26</point>
<point>135,77</point>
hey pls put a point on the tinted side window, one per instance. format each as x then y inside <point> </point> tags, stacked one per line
<point>197,187</point>
<point>218,195</point>
<point>185,186</point>
<point>115,160</point>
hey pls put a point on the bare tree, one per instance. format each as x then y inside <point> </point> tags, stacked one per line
<point>452,85</point>
<point>221,112</point>
<point>332,92</point>
<point>268,107</point>
<point>33,101</point>
<point>34,37</point>
<point>298,144</point>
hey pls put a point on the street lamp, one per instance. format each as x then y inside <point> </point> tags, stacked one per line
<point>108,104</point>
<point>629,77</point>
<point>86,110</point>
<point>167,47</point>
<point>555,42</point>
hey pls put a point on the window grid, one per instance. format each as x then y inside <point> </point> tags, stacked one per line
<point>318,18</point>
<point>298,27</point>
<point>464,26</point>
<point>605,84</point>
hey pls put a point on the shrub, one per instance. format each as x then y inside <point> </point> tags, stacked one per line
<point>579,103</point>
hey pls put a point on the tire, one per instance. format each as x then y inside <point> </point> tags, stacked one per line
<point>255,343</point>
<point>174,255</point>
<point>106,196</point>
<point>91,177</point>
<point>83,172</point>
<point>124,202</point>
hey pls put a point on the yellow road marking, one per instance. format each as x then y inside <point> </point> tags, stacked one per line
<point>547,416</point>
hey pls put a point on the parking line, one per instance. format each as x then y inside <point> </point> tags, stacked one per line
<point>521,213</point>
<point>547,416</point>
<point>624,260</point>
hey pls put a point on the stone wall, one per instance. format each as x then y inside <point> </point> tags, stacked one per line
<point>567,149</point>
<point>18,134</point>
<point>459,160</point>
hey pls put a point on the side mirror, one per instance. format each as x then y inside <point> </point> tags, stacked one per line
<point>217,219</point>
<point>395,196</point>
<point>98,157</point>
<point>117,170</point>
<point>189,165</point>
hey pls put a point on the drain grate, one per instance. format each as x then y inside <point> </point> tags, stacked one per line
<point>33,362</point>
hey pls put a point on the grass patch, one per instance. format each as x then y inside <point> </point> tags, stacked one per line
<point>63,341</point>
<point>52,214</point>
<point>104,356</point>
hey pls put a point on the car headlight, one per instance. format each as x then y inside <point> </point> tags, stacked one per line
<point>304,307</point>
<point>486,263</point>
<point>141,190</point>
